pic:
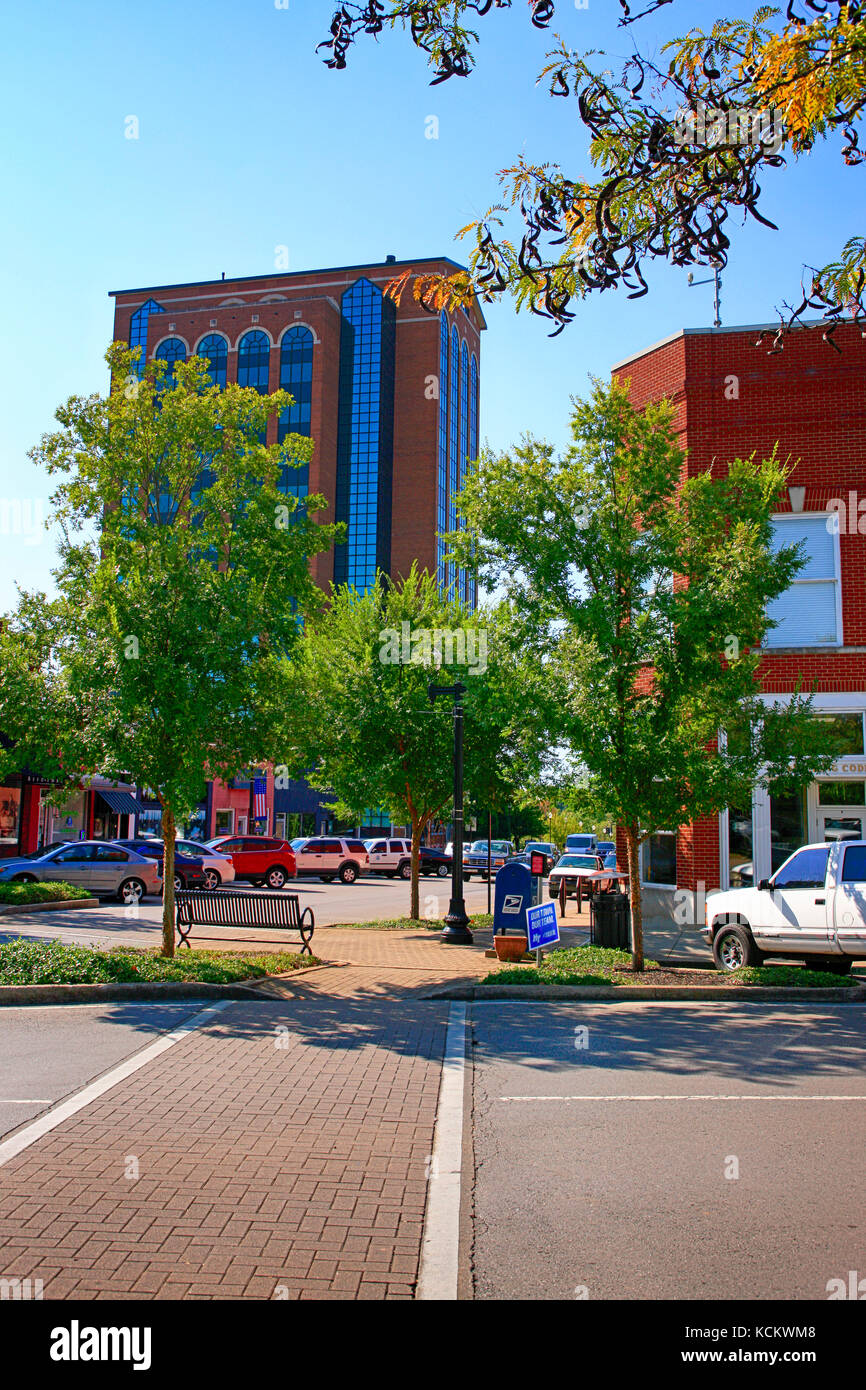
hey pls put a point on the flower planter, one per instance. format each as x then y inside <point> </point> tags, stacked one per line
<point>510,947</point>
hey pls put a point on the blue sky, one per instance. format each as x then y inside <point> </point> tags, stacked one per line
<point>247,142</point>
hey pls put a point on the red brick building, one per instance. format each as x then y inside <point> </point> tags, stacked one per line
<point>389,394</point>
<point>733,398</point>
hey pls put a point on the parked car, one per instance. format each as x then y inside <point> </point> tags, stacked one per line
<point>605,847</point>
<point>393,858</point>
<point>258,859</point>
<point>813,909</point>
<point>105,868</point>
<point>435,861</point>
<point>188,869</point>
<point>581,844</point>
<point>55,844</point>
<point>545,847</point>
<point>329,857</point>
<point>572,867</point>
<point>218,868</point>
<point>475,857</point>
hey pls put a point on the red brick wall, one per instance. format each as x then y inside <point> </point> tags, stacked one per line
<point>732,399</point>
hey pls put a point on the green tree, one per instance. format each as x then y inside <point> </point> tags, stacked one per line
<point>369,732</point>
<point>678,145</point>
<point>183,571</point>
<point>645,592</point>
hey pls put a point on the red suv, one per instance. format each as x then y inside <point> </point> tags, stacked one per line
<point>258,859</point>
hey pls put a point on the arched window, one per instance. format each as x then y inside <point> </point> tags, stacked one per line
<point>138,329</point>
<point>170,351</point>
<point>215,348</point>
<point>442,478</point>
<point>254,355</point>
<point>296,376</point>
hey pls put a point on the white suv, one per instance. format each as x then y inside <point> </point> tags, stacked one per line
<point>390,857</point>
<point>327,858</point>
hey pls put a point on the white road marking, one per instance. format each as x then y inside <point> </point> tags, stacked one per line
<point>682,1097</point>
<point>437,1278</point>
<point>27,1136</point>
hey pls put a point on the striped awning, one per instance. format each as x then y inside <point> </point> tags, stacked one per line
<point>121,802</point>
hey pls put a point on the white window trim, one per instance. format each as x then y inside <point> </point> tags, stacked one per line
<point>835,578</point>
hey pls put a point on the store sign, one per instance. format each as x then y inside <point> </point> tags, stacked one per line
<point>849,767</point>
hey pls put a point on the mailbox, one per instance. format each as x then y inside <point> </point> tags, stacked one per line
<point>513,897</point>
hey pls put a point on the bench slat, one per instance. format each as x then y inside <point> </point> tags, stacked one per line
<point>194,908</point>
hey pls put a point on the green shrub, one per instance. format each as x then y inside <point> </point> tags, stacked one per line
<point>40,892</point>
<point>52,963</point>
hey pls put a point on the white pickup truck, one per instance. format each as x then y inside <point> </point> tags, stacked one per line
<point>813,909</point>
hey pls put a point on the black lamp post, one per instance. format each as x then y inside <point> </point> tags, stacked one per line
<point>456,931</point>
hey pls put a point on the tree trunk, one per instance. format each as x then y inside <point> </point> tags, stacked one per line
<point>168,833</point>
<point>417,827</point>
<point>633,844</point>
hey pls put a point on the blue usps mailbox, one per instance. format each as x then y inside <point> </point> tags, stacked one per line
<point>513,897</point>
<point>542,926</point>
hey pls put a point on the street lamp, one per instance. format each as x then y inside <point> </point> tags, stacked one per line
<point>456,931</point>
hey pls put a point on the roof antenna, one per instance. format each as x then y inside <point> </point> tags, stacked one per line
<point>717,281</point>
<point>224,275</point>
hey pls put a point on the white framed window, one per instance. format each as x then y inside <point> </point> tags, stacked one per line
<point>809,613</point>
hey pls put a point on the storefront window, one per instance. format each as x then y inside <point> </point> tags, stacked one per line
<point>740,848</point>
<point>660,859</point>
<point>10,811</point>
<point>847,731</point>
<point>787,827</point>
<point>842,793</point>
<point>224,822</point>
<point>150,822</point>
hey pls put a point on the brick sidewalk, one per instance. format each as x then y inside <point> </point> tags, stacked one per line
<point>264,1171</point>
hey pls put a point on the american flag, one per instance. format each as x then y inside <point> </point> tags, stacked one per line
<point>260,798</point>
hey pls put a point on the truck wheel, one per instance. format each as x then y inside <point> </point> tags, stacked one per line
<point>348,873</point>
<point>405,870</point>
<point>733,948</point>
<point>443,871</point>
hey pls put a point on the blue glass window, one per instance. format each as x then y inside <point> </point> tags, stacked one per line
<point>216,350</point>
<point>453,446</point>
<point>464,447</point>
<point>170,351</point>
<point>365,438</point>
<point>254,357</point>
<point>471,584</point>
<point>138,330</point>
<point>442,477</point>
<point>296,376</point>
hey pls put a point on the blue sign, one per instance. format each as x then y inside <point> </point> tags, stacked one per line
<point>542,928</point>
<point>512,896</point>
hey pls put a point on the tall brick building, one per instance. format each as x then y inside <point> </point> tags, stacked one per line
<point>733,398</point>
<point>390,395</point>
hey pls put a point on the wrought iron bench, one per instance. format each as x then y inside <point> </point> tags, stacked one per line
<point>282,911</point>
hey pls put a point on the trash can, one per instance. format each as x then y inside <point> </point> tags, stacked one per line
<point>611,921</point>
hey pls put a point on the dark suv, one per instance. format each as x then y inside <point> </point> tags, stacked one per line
<point>188,869</point>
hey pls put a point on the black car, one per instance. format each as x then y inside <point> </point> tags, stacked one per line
<point>188,869</point>
<point>435,861</point>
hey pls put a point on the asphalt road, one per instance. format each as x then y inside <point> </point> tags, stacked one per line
<point>608,1139</point>
<point>369,899</point>
<point>50,1052</point>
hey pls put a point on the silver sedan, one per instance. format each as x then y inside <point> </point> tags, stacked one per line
<point>101,867</point>
<point>218,868</point>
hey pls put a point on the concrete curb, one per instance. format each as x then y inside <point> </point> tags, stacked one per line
<point>674,993</point>
<point>62,905</point>
<point>121,993</point>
